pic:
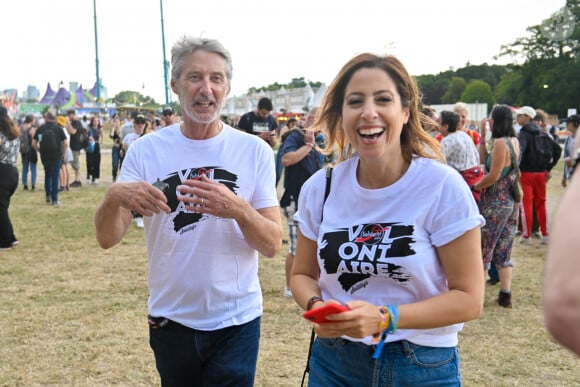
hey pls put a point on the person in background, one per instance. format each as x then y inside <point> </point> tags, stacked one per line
<point>115,135</point>
<point>140,129</point>
<point>127,126</point>
<point>534,173</point>
<point>459,151</point>
<point>463,111</point>
<point>75,131</point>
<point>9,147</point>
<point>169,116</point>
<point>64,174</point>
<point>431,121</point>
<point>212,210</point>
<point>572,124</point>
<point>561,288</point>
<point>51,141</point>
<point>93,151</point>
<point>292,123</point>
<point>497,203</point>
<point>300,160</point>
<point>397,240</point>
<point>28,154</point>
<point>260,122</point>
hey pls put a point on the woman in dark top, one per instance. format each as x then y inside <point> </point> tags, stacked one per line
<point>94,150</point>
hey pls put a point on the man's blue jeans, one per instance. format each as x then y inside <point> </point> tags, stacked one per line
<point>339,362</point>
<point>190,357</point>
<point>51,171</point>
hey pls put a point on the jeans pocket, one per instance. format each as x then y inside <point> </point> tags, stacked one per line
<point>432,357</point>
<point>331,344</point>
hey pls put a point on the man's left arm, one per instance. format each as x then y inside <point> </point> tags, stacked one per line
<point>262,228</point>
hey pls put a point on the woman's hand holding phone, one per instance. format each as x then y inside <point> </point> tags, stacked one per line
<point>318,315</point>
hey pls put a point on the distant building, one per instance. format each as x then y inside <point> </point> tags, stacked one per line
<point>297,100</point>
<point>31,93</point>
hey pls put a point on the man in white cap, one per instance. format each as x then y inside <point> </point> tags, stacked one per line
<point>539,154</point>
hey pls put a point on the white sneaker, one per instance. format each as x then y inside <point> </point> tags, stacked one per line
<point>526,241</point>
<point>544,240</point>
<point>139,222</point>
<point>287,293</point>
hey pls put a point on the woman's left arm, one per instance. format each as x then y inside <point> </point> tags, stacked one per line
<point>463,266</point>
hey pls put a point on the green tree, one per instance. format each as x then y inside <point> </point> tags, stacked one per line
<point>432,88</point>
<point>478,91</point>
<point>454,91</point>
<point>507,90</point>
<point>134,98</point>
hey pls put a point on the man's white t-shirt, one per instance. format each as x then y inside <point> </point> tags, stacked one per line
<point>378,245</point>
<point>202,272</point>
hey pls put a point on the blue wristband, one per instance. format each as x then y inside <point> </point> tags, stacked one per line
<point>393,325</point>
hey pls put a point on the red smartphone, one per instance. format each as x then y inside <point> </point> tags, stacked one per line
<point>318,315</point>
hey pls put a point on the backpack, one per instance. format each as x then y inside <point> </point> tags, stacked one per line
<point>539,150</point>
<point>83,138</point>
<point>25,141</point>
<point>50,143</point>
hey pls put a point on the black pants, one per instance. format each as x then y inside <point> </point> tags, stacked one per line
<point>94,162</point>
<point>8,184</point>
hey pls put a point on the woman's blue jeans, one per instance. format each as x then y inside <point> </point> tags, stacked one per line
<point>190,357</point>
<point>115,158</point>
<point>339,362</point>
<point>26,164</point>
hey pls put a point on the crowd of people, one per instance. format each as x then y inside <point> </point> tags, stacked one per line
<point>385,217</point>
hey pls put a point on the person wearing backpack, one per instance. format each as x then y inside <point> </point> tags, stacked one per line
<point>300,160</point>
<point>539,153</point>
<point>28,154</point>
<point>51,141</point>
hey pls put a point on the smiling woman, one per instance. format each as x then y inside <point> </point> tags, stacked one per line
<point>399,242</point>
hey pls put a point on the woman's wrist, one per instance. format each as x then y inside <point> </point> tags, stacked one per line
<point>311,301</point>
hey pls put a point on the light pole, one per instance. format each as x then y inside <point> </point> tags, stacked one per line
<point>165,63</point>
<point>97,52</point>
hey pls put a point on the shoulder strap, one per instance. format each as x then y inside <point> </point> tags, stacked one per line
<point>312,335</point>
<point>327,188</point>
<point>513,157</point>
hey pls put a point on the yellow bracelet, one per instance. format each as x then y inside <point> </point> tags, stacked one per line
<point>385,317</point>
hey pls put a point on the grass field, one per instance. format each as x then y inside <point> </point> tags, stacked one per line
<point>74,314</point>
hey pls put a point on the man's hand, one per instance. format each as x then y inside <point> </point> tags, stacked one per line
<point>139,196</point>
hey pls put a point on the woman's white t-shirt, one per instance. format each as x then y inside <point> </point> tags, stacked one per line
<point>378,245</point>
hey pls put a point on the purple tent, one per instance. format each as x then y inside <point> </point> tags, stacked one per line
<point>82,96</point>
<point>61,98</point>
<point>48,95</point>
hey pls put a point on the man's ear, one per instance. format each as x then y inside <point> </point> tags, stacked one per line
<point>174,87</point>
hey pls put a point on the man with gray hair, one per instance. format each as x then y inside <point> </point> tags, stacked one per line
<point>207,194</point>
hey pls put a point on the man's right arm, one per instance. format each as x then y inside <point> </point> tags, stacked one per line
<point>112,220</point>
<point>113,216</point>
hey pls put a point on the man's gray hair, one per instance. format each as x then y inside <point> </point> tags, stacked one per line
<point>187,44</point>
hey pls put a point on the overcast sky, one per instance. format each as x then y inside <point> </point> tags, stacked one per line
<point>270,41</point>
